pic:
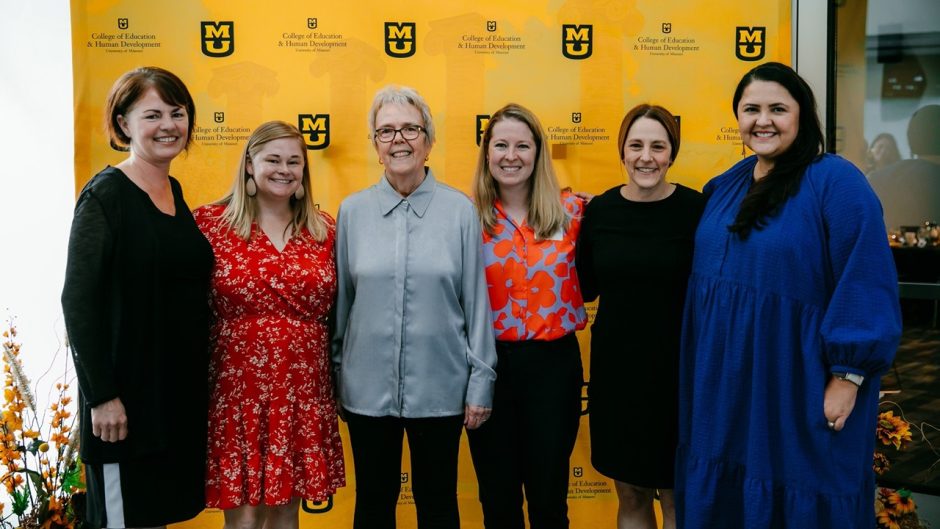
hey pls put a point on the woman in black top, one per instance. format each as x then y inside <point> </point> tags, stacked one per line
<point>135,304</point>
<point>635,252</point>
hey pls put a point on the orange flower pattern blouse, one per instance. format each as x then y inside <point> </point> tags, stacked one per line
<point>534,290</point>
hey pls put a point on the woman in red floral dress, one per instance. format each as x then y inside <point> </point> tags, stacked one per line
<point>273,434</point>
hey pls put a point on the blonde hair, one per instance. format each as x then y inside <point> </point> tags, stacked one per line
<point>241,210</point>
<point>546,213</point>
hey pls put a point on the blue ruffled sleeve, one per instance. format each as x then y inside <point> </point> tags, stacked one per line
<point>862,323</point>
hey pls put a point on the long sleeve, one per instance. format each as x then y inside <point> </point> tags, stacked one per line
<point>413,336</point>
<point>345,294</point>
<point>481,352</point>
<point>862,323</point>
<point>585,258</point>
<point>84,299</point>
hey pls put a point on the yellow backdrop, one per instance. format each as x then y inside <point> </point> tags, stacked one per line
<point>579,64</point>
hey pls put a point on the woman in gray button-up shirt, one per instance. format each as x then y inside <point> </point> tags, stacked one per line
<point>413,347</point>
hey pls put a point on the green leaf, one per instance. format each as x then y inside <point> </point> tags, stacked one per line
<point>72,480</point>
<point>38,483</point>
<point>20,502</point>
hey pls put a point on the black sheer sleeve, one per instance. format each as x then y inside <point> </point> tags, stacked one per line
<point>85,299</point>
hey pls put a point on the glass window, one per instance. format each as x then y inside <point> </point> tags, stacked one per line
<point>887,118</point>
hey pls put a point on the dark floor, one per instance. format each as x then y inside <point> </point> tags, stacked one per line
<point>917,376</point>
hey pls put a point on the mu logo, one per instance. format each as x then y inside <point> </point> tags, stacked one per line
<point>316,130</point>
<point>750,42</point>
<point>577,41</point>
<point>318,508</point>
<point>218,38</point>
<point>400,39</point>
<point>123,23</point>
<point>482,121</point>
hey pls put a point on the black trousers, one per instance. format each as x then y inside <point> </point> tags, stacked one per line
<point>377,447</point>
<point>527,442</point>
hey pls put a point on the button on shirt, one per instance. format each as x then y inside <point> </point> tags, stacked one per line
<point>413,334</point>
<point>533,286</point>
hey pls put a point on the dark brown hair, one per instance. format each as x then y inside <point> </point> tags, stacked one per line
<point>134,84</point>
<point>767,196</point>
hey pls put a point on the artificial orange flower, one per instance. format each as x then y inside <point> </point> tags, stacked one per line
<point>892,430</point>
<point>901,502</point>
<point>887,520</point>
<point>43,463</point>
<point>881,464</point>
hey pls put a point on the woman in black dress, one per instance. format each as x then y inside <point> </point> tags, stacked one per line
<point>135,304</point>
<point>635,252</point>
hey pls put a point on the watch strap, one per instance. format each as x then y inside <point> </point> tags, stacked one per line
<point>854,378</point>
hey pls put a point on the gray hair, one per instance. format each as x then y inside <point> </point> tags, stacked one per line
<point>402,95</point>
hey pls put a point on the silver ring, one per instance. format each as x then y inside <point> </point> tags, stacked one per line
<point>832,425</point>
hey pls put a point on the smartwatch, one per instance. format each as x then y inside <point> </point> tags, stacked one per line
<point>851,377</point>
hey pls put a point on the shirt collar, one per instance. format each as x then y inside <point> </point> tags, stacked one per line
<point>498,208</point>
<point>419,199</point>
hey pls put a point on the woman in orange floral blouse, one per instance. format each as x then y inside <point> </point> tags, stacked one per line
<point>273,434</point>
<point>529,232</point>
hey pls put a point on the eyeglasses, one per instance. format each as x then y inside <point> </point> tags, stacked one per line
<point>408,132</point>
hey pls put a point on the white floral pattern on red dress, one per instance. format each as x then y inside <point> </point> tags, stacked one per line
<point>273,433</point>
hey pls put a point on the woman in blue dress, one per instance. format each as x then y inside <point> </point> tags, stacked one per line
<point>791,317</point>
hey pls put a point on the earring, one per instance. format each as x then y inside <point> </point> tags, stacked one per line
<point>299,194</point>
<point>251,189</point>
